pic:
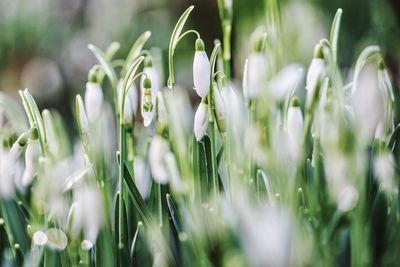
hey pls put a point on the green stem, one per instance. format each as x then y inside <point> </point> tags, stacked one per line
<point>226,32</point>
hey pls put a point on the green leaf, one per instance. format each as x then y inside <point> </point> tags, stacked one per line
<point>365,54</point>
<point>173,42</point>
<point>393,138</point>
<point>136,197</point>
<point>174,214</point>
<point>111,50</point>
<point>106,64</point>
<point>35,118</point>
<point>135,51</point>
<point>335,29</point>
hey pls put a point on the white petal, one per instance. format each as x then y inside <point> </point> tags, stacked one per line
<point>201,73</point>
<point>152,74</point>
<point>286,80</point>
<point>32,154</point>
<point>86,245</point>
<point>142,177</point>
<point>295,124</point>
<point>348,198</point>
<point>93,100</point>
<point>256,76</point>
<point>147,115</point>
<point>315,74</point>
<point>158,149</point>
<point>201,120</point>
<point>83,120</point>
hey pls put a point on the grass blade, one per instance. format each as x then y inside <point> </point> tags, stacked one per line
<point>335,29</point>
<point>106,64</point>
<point>135,51</point>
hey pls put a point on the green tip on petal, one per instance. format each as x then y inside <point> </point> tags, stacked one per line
<point>147,63</point>
<point>382,64</point>
<point>295,102</point>
<point>92,76</point>
<point>200,45</point>
<point>147,83</point>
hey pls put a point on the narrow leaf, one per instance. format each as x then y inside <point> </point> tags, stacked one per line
<point>335,29</point>
<point>135,51</point>
<point>105,63</point>
<point>174,214</point>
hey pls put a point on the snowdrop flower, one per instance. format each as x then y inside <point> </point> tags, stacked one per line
<point>256,73</point>
<point>365,98</point>
<point>82,118</point>
<point>220,112</point>
<point>315,75</point>
<point>173,171</point>
<point>286,81</point>
<point>147,102</point>
<point>201,70</point>
<point>161,109</point>
<point>32,154</point>
<point>93,100</point>
<point>154,77</point>
<point>86,212</point>
<point>131,102</point>
<point>384,166</point>
<point>295,126</point>
<point>8,161</point>
<point>201,121</point>
<point>142,177</point>
<point>158,150</point>
<point>347,198</point>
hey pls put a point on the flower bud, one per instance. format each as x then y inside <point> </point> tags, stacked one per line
<point>384,166</point>
<point>147,103</point>
<point>256,73</point>
<point>201,120</point>
<point>347,198</point>
<point>81,114</point>
<point>93,100</point>
<point>158,150</point>
<point>201,70</point>
<point>153,76</point>
<point>315,75</point>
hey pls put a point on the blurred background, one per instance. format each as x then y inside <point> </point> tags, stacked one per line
<point>43,43</point>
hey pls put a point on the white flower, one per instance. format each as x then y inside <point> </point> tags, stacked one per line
<point>256,74</point>
<point>161,109</point>
<point>201,121</point>
<point>347,198</point>
<point>201,70</point>
<point>87,212</point>
<point>142,177</point>
<point>384,166</point>
<point>32,154</point>
<point>173,171</point>
<point>286,81</point>
<point>131,101</point>
<point>158,149</point>
<point>8,162</point>
<point>366,98</point>
<point>83,120</point>
<point>220,111</point>
<point>147,102</point>
<point>295,128</point>
<point>152,74</point>
<point>93,100</point>
<point>315,75</point>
